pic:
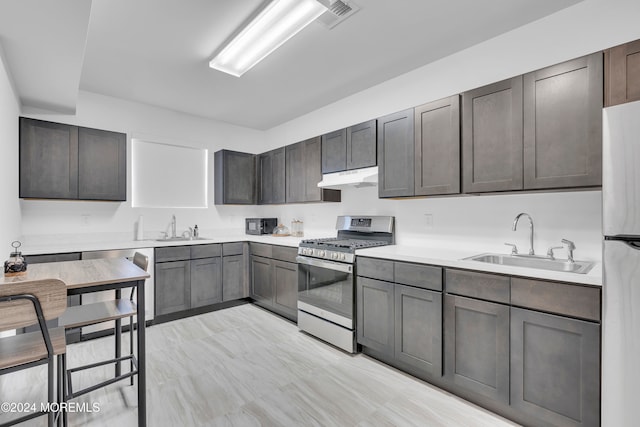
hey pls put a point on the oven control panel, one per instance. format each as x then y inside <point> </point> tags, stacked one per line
<point>326,254</point>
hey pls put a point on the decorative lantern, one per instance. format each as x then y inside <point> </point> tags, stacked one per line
<point>15,265</point>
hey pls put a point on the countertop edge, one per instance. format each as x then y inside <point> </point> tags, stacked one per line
<point>454,259</point>
<point>423,255</point>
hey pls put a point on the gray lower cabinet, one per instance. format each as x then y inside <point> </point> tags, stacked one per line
<point>274,279</point>
<point>285,288</point>
<point>233,276</point>
<point>261,279</point>
<point>418,329</point>
<point>271,177</point>
<point>196,276</point>
<point>396,154</point>
<point>477,346</point>
<point>563,124</point>
<point>60,161</point>
<point>437,147</point>
<point>206,281</point>
<point>235,178</point>
<point>172,286</point>
<point>555,368</point>
<point>375,310</point>
<point>492,137</point>
<point>528,349</point>
<point>401,321</point>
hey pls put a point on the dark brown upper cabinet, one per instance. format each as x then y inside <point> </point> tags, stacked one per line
<point>271,177</point>
<point>437,147</point>
<point>542,130</point>
<point>492,137</point>
<point>303,166</point>
<point>396,154</point>
<point>295,173</point>
<point>563,125</point>
<point>234,178</point>
<point>352,148</point>
<point>334,151</point>
<point>102,165</point>
<point>362,147</point>
<point>622,73</point>
<point>60,161</point>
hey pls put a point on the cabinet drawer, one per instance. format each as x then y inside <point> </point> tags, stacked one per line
<point>206,251</point>
<point>556,297</point>
<point>261,249</point>
<point>284,253</point>
<point>422,276</point>
<point>173,253</point>
<point>375,268</point>
<point>490,287</point>
<point>38,259</point>
<point>234,248</point>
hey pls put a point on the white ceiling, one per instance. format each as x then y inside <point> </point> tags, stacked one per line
<point>157,51</point>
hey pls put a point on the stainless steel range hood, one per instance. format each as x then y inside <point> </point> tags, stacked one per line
<point>366,177</point>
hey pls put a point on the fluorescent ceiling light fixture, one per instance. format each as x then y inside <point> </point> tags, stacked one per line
<point>274,25</point>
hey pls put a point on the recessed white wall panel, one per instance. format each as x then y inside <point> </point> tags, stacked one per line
<point>168,176</point>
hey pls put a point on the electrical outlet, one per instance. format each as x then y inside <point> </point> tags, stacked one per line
<point>84,219</point>
<point>428,221</point>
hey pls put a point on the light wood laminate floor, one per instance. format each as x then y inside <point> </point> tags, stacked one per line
<point>244,366</point>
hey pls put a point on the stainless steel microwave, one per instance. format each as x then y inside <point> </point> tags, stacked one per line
<point>260,225</point>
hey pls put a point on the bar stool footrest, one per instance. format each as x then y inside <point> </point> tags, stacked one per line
<point>71,394</point>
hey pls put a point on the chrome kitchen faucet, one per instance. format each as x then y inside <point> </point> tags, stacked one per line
<point>515,225</point>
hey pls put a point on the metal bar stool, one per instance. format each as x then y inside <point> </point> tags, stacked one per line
<point>24,304</point>
<point>104,311</point>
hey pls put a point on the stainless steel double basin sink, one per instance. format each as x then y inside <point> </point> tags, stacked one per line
<point>532,261</point>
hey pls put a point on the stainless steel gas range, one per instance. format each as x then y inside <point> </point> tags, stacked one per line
<point>326,300</point>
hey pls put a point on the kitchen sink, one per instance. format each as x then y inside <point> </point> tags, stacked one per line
<point>532,261</point>
<point>180,239</point>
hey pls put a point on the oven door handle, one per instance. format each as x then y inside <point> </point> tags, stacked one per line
<point>330,265</point>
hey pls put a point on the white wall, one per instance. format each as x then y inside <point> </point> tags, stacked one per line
<point>587,27</point>
<point>53,218</point>
<point>9,205</point>
<point>485,221</point>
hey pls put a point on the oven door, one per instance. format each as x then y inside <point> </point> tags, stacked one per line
<point>326,290</point>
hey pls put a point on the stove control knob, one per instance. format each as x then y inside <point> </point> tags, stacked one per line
<point>334,256</point>
<point>321,253</point>
<point>343,257</point>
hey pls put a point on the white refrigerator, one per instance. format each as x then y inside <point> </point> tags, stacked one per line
<point>621,266</point>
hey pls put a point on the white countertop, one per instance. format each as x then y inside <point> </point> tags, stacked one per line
<point>454,258</point>
<point>74,244</point>
<point>434,255</point>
